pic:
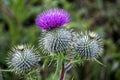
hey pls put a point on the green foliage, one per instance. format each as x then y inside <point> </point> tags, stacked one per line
<point>102,16</point>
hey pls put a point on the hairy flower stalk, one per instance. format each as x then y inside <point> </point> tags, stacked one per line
<point>52,18</point>
<point>22,58</point>
<point>88,45</point>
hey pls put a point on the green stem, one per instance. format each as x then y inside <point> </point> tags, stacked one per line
<point>59,63</point>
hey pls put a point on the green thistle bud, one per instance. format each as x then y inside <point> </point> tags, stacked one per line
<point>56,40</point>
<point>22,58</point>
<point>88,45</point>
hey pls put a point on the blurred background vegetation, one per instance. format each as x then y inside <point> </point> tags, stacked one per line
<point>17,26</point>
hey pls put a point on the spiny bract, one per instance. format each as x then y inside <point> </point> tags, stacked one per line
<point>56,40</point>
<point>22,58</point>
<point>88,45</point>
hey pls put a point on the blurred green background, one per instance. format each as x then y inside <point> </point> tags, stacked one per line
<point>17,26</point>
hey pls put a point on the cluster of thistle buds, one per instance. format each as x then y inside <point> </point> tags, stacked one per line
<point>56,39</point>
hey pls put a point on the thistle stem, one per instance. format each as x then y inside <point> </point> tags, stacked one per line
<point>62,72</point>
<point>65,68</point>
<point>59,63</point>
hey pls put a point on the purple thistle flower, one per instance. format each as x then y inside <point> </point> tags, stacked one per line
<point>52,18</point>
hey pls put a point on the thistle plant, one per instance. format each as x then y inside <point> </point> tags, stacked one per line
<point>56,38</point>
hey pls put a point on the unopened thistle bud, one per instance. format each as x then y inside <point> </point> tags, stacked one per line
<point>52,18</point>
<point>88,45</point>
<point>22,58</point>
<point>56,40</point>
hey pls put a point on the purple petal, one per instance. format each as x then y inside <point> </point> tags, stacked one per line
<point>52,18</point>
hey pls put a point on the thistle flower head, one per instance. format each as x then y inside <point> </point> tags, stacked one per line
<point>22,58</point>
<point>56,40</point>
<point>88,45</point>
<point>52,18</point>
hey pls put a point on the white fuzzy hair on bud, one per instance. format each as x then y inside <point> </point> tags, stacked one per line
<point>55,40</point>
<point>88,45</point>
<point>22,58</point>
